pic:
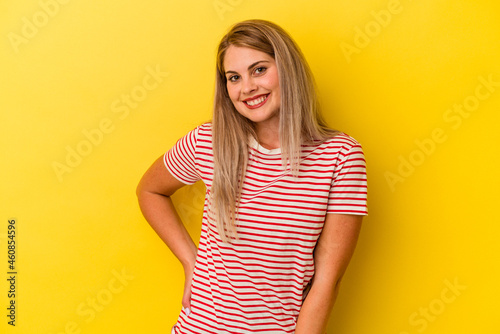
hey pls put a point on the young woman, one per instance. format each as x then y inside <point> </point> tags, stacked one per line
<point>285,195</point>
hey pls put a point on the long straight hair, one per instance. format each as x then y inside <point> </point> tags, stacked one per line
<point>300,120</point>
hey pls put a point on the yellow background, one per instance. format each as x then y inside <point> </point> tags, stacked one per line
<point>66,66</point>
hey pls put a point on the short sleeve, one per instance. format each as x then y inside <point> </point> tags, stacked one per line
<point>180,160</point>
<point>348,193</point>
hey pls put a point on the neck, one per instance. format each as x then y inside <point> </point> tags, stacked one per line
<point>268,136</point>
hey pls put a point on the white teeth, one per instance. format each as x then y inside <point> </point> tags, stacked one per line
<point>256,101</point>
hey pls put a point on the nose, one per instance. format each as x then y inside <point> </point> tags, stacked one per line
<point>249,85</point>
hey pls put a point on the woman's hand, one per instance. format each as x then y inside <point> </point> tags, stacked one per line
<point>186,296</point>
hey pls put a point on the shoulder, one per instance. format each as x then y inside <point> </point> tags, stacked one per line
<point>342,139</point>
<point>340,143</point>
<point>204,129</point>
<point>200,132</point>
<point>333,151</point>
<point>204,132</point>
<point>207,127</point>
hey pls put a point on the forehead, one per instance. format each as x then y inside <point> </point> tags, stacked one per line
<point>239,58</point>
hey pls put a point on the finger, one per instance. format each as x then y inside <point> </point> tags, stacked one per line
<point>186,302</point>
<point>186,297</point>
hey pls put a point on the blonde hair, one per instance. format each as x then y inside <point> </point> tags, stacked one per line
<point>300,120</point>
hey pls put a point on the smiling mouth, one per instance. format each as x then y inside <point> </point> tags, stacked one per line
<point>255,103</point>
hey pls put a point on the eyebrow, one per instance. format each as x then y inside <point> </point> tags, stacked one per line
<point>252,65</point>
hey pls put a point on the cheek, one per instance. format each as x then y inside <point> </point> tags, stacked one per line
<point>233,94</point>
<point>272,81</point>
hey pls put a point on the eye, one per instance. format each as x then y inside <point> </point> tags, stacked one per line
<point>233,78</point>
<point>260,70</point>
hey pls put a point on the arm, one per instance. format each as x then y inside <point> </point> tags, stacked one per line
<point>153,192</point>
<point>331,257</point>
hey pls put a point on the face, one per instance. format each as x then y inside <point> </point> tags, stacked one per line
<point>253,85</point>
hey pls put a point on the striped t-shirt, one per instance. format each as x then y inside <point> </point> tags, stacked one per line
<point>256,283</point>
